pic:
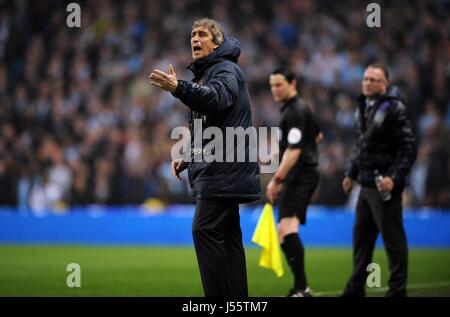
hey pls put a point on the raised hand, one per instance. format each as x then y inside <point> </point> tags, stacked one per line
<point>166,81</point>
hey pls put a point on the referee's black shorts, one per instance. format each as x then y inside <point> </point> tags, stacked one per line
<point>295,196</point>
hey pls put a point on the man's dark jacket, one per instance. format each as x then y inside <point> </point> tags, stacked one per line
<point>386,141</point>
<point>218,97</point>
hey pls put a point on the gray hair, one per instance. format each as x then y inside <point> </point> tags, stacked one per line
<point>214,27</point>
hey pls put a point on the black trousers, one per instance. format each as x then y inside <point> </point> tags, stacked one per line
<point>374,216</point>
<point>218,244</point>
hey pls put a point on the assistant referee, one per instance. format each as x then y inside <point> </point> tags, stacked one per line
<point>297,176</point>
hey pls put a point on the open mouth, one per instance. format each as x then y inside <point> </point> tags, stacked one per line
<point>196,48</point>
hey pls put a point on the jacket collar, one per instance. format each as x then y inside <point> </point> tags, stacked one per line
<point>391,93</point>
<point>288,103</point>
<point>230,49</point>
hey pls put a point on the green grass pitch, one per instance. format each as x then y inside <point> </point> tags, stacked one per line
<point>29,270</point>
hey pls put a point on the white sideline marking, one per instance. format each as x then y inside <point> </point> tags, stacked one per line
<point>384,289</point>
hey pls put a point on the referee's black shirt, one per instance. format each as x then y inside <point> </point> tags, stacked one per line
<point>298,130</point>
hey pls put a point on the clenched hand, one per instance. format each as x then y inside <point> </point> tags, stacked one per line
<point>178,166</point>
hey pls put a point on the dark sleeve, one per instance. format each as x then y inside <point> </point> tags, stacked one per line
<point>295,127</point>
<point>405,141</point>
<point>352,170</point>
<point>317,127</point>
<point>218,94</point>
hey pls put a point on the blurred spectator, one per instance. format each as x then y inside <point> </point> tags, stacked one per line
<point>80,124</point>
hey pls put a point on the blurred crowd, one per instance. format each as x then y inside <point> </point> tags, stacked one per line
<point>80,123</point>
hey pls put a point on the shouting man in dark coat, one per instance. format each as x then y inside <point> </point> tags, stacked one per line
<point>218,98</point>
